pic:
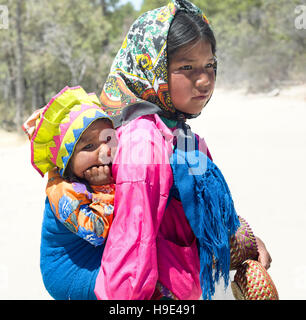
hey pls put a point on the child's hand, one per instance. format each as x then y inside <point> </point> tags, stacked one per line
<point>99,175</point>
<point>263,255</point>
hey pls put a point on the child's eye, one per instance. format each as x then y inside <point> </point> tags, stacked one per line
<point>108,138</point>
<point>188,67</point>
<point>88,147</point>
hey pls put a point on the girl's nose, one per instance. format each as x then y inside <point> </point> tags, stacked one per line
<point>202,80</point>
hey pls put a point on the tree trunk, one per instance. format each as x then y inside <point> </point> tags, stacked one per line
<point>43,87</point>
<point>35,88</point>
<point>103,7</point>
<point>10,92</point>
<point>19,65</point>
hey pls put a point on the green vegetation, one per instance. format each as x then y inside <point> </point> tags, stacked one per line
<point>51,44</point>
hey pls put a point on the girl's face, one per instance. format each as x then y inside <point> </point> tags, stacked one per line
<point>93,150</point>
<point>192,77</point>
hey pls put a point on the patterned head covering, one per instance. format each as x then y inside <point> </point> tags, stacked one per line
<point>55,129</point>
<point>139,72</point>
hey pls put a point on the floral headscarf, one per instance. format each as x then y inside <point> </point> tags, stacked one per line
<point>139,72</point>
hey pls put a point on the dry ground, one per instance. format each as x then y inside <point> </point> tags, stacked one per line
<point>259,143</point>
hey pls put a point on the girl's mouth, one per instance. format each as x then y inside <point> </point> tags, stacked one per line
<point>200,98</point>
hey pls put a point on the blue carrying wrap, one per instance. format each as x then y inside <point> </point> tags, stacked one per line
<point>208,206</point>
<point>69,264</point>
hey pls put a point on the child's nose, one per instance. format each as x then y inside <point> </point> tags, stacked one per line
<point>104,154</point>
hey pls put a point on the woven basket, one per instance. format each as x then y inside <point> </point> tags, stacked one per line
<point>252,282</point>
<point>243,245</point>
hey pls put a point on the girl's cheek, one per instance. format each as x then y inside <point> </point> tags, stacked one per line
<point>176,84</point>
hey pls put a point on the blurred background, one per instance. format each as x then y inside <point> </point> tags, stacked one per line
<point>50,44</point>
<point>254,124</point>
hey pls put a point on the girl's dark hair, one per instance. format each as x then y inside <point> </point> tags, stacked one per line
<point>187,28</point>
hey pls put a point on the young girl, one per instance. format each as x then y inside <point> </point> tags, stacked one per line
<point>171,200</point>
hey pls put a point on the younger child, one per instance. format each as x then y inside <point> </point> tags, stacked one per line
<point>71,141</point>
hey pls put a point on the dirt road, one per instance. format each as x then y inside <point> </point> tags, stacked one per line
<point>259,143</point>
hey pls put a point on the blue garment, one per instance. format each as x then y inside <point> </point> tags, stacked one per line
<point>208,206</point>
<point>69,264</point>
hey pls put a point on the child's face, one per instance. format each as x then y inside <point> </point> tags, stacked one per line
<point>92,154</point>
<point>191,77</point>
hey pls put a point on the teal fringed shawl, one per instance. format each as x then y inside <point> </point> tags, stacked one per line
<point>208,206</point>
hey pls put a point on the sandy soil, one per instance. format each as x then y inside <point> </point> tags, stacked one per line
<point>259,143</point>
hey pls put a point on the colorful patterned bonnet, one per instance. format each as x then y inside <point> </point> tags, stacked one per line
<point>138,81</point>
<point>59,126</point>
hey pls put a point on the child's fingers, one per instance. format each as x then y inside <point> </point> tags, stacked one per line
<point>94,171</point>
<point>98,175</point>
<point>87,174</point>
<point>106,170</point>
<point>103,170</point>
<point>91,172</point>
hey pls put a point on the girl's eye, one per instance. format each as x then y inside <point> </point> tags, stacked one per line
<point>212,65</point>
<point>188,67</point>
<point>109,138</point>
<point>88,147</point>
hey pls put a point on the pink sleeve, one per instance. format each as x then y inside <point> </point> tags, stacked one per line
<point>143,179</point>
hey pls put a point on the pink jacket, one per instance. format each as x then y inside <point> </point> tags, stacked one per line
<point>147,241</point>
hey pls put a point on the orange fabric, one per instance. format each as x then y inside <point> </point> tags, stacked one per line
<point>88,214</point>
